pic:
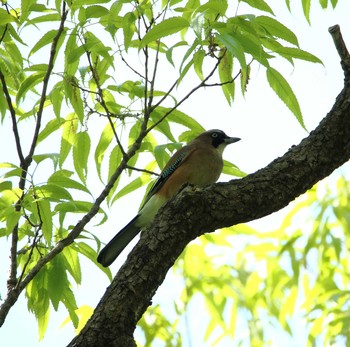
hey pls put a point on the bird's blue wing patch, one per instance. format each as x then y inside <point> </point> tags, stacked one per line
<point>164,176</point>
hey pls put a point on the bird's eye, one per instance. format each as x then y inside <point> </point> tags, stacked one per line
<point>214,135</point>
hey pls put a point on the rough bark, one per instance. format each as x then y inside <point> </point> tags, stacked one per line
<point>196,211</point>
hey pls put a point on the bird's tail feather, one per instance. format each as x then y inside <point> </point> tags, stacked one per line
<point>114,247</point>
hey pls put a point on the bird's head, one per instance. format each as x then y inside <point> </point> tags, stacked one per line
<point>217,138</point>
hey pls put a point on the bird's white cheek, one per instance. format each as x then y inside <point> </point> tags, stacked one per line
<point>149,211</point>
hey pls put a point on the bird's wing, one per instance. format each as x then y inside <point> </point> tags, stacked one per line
<point>175,161</point>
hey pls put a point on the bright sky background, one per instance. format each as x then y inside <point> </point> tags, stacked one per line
<point>267,129</point>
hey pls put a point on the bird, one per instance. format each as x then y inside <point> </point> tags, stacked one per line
<point>199,163</point>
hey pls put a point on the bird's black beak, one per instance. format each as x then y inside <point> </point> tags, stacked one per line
<point>229,140</point>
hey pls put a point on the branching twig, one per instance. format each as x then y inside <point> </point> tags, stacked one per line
<point>103,103</point>
<point>14,289</point>
<point>200,85</point>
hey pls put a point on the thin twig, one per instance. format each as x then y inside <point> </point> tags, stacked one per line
<point>103,103</point>
<point>141,170</point>
<point>200,85</point>
<point>13,117</point>
<point>46,81</point>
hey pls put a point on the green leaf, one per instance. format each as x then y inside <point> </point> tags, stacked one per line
<point>71,65</point>
<point>306,8</point>
<point>74,206</point>
<point>234,47</point>
<point>53,191</point>
<point>29,83</point>
<point>90,253</point>
<point>225,74</point>
<point>105,140</point>
<point>95,11</point>
<point>71,305</point>
<point>231,169</point>
<point>56,98</point>
<point>73,93</point>
<point>46,218</point>
<point>69,131</point>
<point>283,90</point>
<point>259,4</point>
<point>169,52</point>
<point>129,28</point>
<point>72,263</point>
<point>163,127</point>
<point>45,40</point>
<point>51,126</point>
<point>216,7</point>
<point>198,58</point>
<point>182,118</point>
<point>61,178</point>
<point>6,18</point>
<point>81,151</point>
<point>57,280</point>
<point>291,52</point>
<point>133,185</point>
<point>50,18</point>
<point>277,29</point>
<point>167,27</point>
<point>114,161</point>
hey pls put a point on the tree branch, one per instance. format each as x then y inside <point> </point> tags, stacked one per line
<point>197,210</point>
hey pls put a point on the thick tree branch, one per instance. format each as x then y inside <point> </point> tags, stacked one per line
<point>195,211</point>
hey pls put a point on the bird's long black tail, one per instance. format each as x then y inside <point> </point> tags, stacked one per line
<point>114,247</point>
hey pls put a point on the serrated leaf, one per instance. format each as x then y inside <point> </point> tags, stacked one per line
<point>234,47</point>
<point>225,74</point>
<point>51,126</point>
<point>53,191</point>
<point>291,52</point>
<point>167,27</point>
<point>132,186</point>
<point>169,52</point>
<point>69,302</point>
<point>105,140</point>
<point>114,161</point>
<point>74,206</point>
<point>81,151</point>
<point>95,11</point>
<point>129,29</point>
<point>56,98</point>
<point>72,263</point>
<point>90,253</point>
<point>231,169</point>
<point>283,90</point>
<point>46,219</point>
<point>6,18</point>
<point>217,7</point>
<point>259,4</point>
<point>182,118</point>
<point>306,9</point>
<point>31,81</point>
<point>69,131</point>
<point>59,178</point>
<point>57,280</point>
<point>73,93</point>
<point>45,40</point>
<point>277,29</point>
<point>198,58</point>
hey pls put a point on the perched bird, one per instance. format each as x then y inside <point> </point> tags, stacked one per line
<point>199,163</point>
